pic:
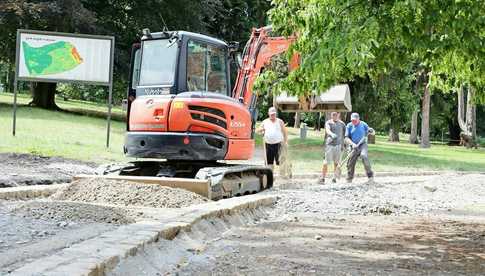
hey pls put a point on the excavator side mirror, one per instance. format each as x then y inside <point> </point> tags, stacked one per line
<point>233,46</point>
<point>235,56</point>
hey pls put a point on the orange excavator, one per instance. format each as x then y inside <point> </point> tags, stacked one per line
<point>183,119</point>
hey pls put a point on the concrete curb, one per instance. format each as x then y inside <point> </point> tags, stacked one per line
<point>29,192</point>
<point>103,253</point>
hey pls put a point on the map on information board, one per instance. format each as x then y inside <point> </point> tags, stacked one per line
<point>57,57</point>
<point>64,58</point>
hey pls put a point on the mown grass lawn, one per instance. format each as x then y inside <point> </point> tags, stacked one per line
<point>80,137</point>
<point>307,155</point>
<point>63,134</point>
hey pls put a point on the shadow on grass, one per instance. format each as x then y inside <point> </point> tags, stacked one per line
<point>95,114</point>
<point>398,157</point>
<point>401,158</point>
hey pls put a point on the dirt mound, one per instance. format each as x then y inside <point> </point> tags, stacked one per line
<point>127,194</point>
<point>64,212</point>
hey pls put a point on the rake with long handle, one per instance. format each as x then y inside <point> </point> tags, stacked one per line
<point>338,169</point>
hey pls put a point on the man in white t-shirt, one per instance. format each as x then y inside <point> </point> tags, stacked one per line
<point>275,133</point>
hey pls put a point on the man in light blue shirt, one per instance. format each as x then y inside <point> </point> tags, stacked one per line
<point>356,135</point>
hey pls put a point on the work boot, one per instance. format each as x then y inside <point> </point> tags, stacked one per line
<point>321,180</point>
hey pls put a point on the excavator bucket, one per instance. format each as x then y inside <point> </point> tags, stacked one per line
<point>198,186</point>
<point>211,182</point>
<point>337,98</point>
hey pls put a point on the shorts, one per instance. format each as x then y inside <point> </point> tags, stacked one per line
<point>273,153</point>
<point>332,154</point>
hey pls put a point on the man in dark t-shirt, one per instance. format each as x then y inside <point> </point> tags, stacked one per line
<point>334,136</point>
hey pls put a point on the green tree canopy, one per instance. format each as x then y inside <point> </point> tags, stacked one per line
<point>339,40</point>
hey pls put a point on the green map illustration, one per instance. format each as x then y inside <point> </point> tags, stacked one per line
<point>54,58</point>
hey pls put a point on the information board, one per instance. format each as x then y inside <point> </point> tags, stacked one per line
<point>59,57</point>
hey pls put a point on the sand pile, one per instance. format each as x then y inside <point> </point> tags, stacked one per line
<point>124,193</point>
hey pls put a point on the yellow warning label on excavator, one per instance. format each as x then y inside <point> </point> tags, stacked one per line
<point>178,105</point>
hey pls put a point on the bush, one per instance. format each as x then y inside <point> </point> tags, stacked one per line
<point>92,93</point>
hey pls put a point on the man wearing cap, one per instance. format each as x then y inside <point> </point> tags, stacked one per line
<point>356,135</point>
<point>334,132</point>
<point>275,133</point>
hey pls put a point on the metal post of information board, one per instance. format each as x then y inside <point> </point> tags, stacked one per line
<point>110,93</point>
<point>14,126</point>
<point>15,84</point>
<point>108,129</point>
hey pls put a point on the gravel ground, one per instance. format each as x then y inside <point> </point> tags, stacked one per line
<point>23,238</point>
<point>388,196</point>
<point>125,193</point>
<point>65,212</point>
<point>26,169</point>
<point>415,225</point>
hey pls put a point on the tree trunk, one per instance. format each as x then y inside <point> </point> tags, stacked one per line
<point>474,122</point>
<point>297,120</point>
<point>413,138</point>
<point>425,143</point>
<point>467,118</point>
<point>318,125</point>
<point>393,135</point>
<point>454,130</point>
<point>394,131</point>
<point>461,109</point>
<point>43,95</point>
<point>469,111</point>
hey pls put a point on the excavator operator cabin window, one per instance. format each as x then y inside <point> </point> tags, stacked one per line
<point>136,69</point>
<point>206,68</point>
<point>158,62</point>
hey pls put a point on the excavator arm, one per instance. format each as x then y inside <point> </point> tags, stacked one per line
<point>257,54</point>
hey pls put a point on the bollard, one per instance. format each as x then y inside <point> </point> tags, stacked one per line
<point>371,139</point>
<point>303,130</point>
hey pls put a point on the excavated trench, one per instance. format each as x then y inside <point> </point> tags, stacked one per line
<point>424,225</point>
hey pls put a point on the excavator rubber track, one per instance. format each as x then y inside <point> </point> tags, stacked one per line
<point>236,180</point>
<point>218,181</point>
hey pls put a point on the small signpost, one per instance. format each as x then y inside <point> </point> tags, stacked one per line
<point>63,57</point>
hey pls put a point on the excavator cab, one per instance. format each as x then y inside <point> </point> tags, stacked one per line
<point>169,63</point>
